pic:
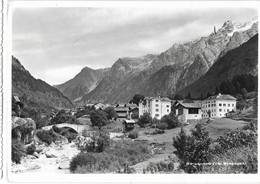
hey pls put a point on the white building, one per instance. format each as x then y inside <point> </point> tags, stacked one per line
<point>218,106</point>
<point>155,106</point>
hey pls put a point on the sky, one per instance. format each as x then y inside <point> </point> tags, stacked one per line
<point>54,44</point>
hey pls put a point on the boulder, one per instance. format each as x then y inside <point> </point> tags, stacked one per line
<point>52,153</point>
<point>64,165</point>
<point>23,129</point>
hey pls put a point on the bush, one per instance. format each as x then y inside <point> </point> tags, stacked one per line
<point>133,135</point>
<point>17,151</point>
<point>171,120</point>
<point>157,131</point>
<point>144,120</point>
<point>135,115</point>
<point>63,117</point>
<point>31,149</point>
<point>245,159</point>
<point>162,126</point>
<point>116,158</point>
<point>46,136</point>
<point>159,167</point>
<point>95,142</point>
<point>237,138</point>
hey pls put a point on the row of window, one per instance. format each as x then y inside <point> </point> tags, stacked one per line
<point>212,115</point>
<point>220,105</point>
<point>157,105</point>
<point>214,110</point>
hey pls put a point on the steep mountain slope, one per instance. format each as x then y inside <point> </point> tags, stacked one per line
<point>176,68</point>
<point>82,83</point>
<point>241,60</point>
<point>36,90</point>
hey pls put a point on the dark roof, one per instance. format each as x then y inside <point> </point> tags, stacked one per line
<point>221,97</point>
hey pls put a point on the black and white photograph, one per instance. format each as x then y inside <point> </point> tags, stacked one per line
<point>133,89</point>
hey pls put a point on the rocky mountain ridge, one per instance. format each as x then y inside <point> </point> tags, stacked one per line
<point>172,70</point>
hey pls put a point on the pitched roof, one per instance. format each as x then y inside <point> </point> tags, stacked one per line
<point>221,97</point>
<point>129,121</point>
<point>190,105</point>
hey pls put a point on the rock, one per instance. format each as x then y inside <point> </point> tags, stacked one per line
<point>38,148</point>
<point>23,129</point>
<point>32,167</point>
<point>52,154</point>
<point>36,154</point>
<point>30,157</point>
<point>64,165</point>
<point>42,156</point>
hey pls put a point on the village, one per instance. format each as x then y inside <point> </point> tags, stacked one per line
<point>152,123</point>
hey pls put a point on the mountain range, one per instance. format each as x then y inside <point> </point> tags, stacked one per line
<point>166,73</point>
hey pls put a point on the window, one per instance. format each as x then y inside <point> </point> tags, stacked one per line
<point>224,110</point>
<point>227,110</point>
<point>156,100</point>
<point>220,110</point>
<point>167,105</point>
<point>157,110</point>
<point>156,105</point>
<point>219,104</point>
<point>232,105</point>
<point>224,105</point>
<point>228,105</point>
<point>156,115</point>
<point>167,110</point>
<point>193,111</point>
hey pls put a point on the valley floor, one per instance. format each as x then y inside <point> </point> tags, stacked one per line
<point>55,159</point>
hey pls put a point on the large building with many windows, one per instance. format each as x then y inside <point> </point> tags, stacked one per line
<point>157,107</point>
<point>218,106</point>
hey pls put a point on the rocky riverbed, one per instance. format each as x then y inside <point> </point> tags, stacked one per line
<point>54,158</point>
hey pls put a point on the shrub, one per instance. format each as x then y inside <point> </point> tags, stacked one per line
<point>116,158</point>
<point>157,131</point>
<point>162,126</point>
<point>159,167</point>
<point>133,135</point>
<point>63,117</point>
<point>135,115</point>
<point>237,138</point>
<point>144,120</point>
<point>244,159</point>
<point>30,149</point>
<point>171,120</point>
<point>17,151</point>
<point>46,136</point>
<point>95,142</point>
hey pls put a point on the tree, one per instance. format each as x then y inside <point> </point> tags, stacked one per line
<point>193,149</point>
<point>188,96</point>
<point>137,98</point>
<point>244,93</point>
<point>144,120</point>
<point>171,120</point>
<point>201,96</point>
<point>110,112</point>
<point>98,118</point>
<point>216,91</point>
<point>178,97</point>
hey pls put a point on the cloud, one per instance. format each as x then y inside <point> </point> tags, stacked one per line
<point>65,39</point>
